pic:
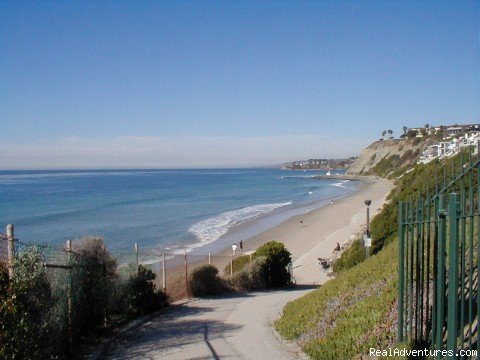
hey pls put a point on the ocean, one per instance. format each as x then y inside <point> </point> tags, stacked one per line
<point>161,210</point>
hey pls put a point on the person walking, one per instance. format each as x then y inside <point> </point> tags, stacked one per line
<point>241,245</point>
<point>234,248</point>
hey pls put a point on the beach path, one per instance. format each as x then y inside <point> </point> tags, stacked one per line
<point>239,326</point>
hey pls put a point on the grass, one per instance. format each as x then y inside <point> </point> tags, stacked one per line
<point>349,314</point>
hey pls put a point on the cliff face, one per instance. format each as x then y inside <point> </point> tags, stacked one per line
<point>382,157</point>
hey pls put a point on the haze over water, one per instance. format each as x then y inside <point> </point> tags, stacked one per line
<point>165,210</point>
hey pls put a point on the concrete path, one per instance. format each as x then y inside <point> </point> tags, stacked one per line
<point>235,327</point>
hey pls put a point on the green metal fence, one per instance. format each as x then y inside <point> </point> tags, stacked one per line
<point>439,234</point>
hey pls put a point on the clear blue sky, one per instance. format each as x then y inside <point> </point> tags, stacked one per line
<point>210,83</point>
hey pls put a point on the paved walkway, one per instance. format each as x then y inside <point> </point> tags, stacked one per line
<point>236,327</point>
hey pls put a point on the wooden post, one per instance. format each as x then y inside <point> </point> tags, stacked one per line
<point>250,257</point>
<point>11,251</point>
<point>69,295</point>
<point>231,266</point>
<point>164,274</point>
<point>186,274</point>
<point>209,259</point>
<point>136,253</point>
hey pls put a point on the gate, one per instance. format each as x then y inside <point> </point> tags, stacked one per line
<point>439,234</point>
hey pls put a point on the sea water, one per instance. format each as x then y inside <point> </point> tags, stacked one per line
<point>163,210</point>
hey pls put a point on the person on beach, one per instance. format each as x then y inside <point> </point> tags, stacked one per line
<point>337,248</point>
<point>234,248</point>
<point>241,245</point>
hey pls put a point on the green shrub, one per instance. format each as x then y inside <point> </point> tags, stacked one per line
<point>277,259</point>
<point>251,277</point>
<point>238,264</point>
<point>93,274</point>
<point>204,281</point>
<point>352,256</point>
<point>27,329</point>
<point>141,294</point>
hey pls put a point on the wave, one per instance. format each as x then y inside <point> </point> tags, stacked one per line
<point>213,228</point>
<point>340,183</point>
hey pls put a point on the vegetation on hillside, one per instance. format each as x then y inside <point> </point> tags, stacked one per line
<point>349,314</point>
<point>357,309</point>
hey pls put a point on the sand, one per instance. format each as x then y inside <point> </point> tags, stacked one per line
<point>323,228</point>
<point>308,237</point>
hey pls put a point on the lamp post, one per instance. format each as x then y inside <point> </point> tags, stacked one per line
<point>367,232</point>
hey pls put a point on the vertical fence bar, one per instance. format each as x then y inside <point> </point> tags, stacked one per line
<point>417,257</point>
<point>452,325</point>
<point>436,225</point>
<point>136,254</point>
<point>470,252</point>
<point>462,241</point>
<point>10,250</point>
<point>186,274</point>
<point>401,272</point>
<point>410,285</point>
<point>428,312</point>
<point>209,259</point>
<point>440,297</point>
<point>70,296</point>
<point>422,266</point>
<point>164,274</point>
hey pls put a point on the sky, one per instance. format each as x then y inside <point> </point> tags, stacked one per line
<point>162,84</point>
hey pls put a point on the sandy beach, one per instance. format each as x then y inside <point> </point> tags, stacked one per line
<point>322,229</point>
<point>307,236</point>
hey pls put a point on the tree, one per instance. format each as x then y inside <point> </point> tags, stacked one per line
<point>405,129</point>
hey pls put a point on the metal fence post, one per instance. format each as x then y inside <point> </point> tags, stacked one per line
<point>164,274</point>
<point>401,272</point>
<point>440,296</point>
<point>11,251</point>
<point>209,259</point>
<point>452,325</point>
<point>186,274</point>
<point>69,295</point>
<point>136,254</point>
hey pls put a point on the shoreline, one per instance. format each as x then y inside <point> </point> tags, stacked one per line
<point>316,237</point>
<point>322,229</point>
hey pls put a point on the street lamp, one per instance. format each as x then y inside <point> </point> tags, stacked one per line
<point>367,232</point>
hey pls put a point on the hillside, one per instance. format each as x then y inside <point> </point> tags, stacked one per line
<point>385,157</point>
<point>357,309</point>
<point>318,164</point>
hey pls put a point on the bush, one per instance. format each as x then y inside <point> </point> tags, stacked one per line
<point>204,281</point>
<point>141,294</point>
<point>352,256</point>
<point>252,276</point>
<point>238,264</point>
<point>93,274</point>
<point>26,327</point>
<point>277,260</point>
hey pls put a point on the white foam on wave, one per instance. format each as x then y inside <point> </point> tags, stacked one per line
<point>213,228</point>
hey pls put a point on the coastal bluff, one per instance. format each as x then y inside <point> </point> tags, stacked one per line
<point>401,151</point>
